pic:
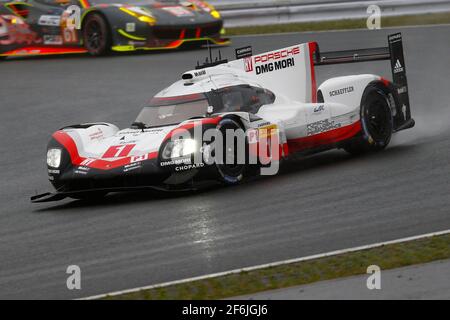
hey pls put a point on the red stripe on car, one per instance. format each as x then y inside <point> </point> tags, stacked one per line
<point>324,138</point>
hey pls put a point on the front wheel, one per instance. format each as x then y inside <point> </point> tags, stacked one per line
<point>231,164</point>
<point>96,35</point>
<point>376,122</point>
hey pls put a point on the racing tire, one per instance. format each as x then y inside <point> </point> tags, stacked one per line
<point>96,35</point>
<point>376,122</point>
<point>230,171</point>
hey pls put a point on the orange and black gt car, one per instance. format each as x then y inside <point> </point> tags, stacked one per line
<point>39,27</point>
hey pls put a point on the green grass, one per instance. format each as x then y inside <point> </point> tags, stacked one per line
<point>409,20</point>
<point>355,263</point>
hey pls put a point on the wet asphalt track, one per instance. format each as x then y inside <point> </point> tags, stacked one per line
<point>327,202</point>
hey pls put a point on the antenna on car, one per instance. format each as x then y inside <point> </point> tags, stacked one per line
<point>210,61</point>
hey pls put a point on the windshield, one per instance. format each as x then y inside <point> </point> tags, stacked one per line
<point>173,110</point>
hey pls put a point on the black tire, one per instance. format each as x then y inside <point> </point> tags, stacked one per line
<point>96,35</point>
<point>230,172</point>
<point>376,122</point>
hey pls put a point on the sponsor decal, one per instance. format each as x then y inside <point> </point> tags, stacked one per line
<point>274,66</point>
<point>322,126</point>
<point>201,4</point>
<point>265,130</point>
<point>263,124</point>
<point>200,73</point>
<point>82,170</point>
<point>96,135</point>
<point>268,131</point>
<point>244,52</point>
<point>398,67</point>
<point>277,55</point>
<point>402,90</point>
<point>189,167</point>
<point>397,36</point>
<point>248,62</point>
<point>179,11</point>
<point>176,162</point>
<point>342,91</point>
<point>51,21</point>
<point>319,108</point>
<point>131,167</point>
<point>130,27</point>
<point>139,158</point>
<point>272,61</point>
<point>53,40</point>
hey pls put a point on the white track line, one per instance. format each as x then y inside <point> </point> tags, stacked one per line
<point>268,265</point>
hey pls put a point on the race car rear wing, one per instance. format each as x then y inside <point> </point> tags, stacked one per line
<point>394,53</point>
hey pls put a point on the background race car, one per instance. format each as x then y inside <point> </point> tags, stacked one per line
<point>34,27</point>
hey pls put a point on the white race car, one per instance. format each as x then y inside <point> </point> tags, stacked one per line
<point>182,136</point>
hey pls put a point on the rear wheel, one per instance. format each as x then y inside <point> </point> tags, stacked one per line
<point>96,35</point>
<point>376,121</point>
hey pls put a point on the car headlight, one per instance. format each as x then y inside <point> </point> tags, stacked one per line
<point>54,158</point>
<point>179,148</point>
<point>140,14</point>
<point>150,20</point>
<point>215,14</point>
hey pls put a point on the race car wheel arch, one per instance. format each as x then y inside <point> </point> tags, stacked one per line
<point>376,122</point>
<point>96,33</point>
<point>230,173</point>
